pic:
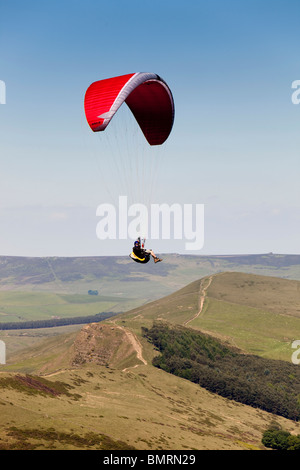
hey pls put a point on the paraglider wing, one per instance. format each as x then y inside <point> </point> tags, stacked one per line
<point>147,95</point>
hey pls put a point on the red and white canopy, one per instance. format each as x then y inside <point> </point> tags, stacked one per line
<point>147,95</point>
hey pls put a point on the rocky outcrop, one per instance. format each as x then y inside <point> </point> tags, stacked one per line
<point>101,344</point>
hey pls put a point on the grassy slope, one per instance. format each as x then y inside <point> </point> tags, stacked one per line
<point>230,311</point>
<point>258,314</point>
<point>144,406</point>
<point>35,288</point>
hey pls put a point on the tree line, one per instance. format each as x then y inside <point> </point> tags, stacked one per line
<point>279,439</point>
<point>52,322</point>
<point>270,385</point>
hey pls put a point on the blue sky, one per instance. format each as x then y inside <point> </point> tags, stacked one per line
<point>235,143</point>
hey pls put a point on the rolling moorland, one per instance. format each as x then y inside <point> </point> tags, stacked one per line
<point>96,386</point>
<point>46,289</point>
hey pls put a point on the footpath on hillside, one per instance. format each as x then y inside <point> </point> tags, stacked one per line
<point>204,285</point>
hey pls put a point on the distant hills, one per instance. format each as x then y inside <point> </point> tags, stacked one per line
<point>78,275</point>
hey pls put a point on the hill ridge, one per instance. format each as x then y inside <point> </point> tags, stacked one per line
<point>195,306</point>
<point>202,296</point>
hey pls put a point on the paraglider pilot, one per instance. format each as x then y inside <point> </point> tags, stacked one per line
<point>141,255</point>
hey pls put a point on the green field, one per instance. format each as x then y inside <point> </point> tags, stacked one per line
<point>18,306</point>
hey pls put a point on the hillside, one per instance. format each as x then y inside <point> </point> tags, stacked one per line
<point>258,314</point>
<point>141,408</point>
<point>50,288</point>
<point>267,384</point>
<point>111,388</point>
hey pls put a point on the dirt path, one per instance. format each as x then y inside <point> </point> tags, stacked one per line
<point>135,343</point>
<point>204,285</point>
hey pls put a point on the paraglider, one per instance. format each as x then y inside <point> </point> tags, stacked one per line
<point>150,101</point>
<point>140,254</point>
